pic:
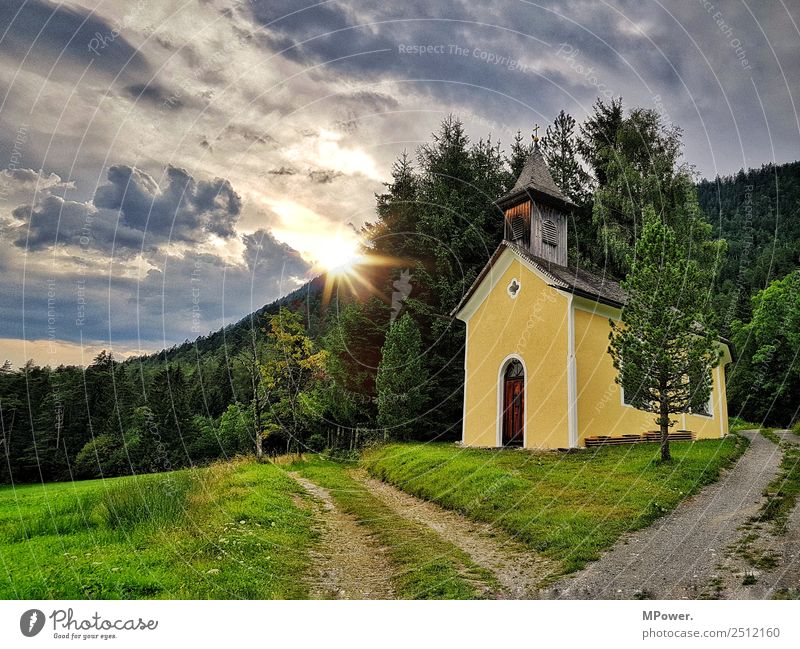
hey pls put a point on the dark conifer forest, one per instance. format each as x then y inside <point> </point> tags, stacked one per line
<point>314,370</point>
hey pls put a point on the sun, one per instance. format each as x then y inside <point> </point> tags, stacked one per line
<point>339,255</point>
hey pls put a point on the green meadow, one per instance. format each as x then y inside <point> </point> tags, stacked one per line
<point>244,529</point>
<point>227,531</point>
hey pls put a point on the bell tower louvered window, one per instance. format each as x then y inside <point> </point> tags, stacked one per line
<point>517,228</point>
<point>518,224</point>
<point>549,233</point>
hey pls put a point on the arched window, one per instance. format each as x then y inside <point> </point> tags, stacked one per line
<point>515,370</point>
<point>549,233</point>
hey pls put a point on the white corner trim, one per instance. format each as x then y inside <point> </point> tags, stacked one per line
<point>572,376</point>
<point>466,378</point>
<point>719,400</point>
<point>501,395</point>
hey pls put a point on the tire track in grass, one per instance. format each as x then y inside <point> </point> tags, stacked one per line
<point>423,564</point>
<point>349,563</point>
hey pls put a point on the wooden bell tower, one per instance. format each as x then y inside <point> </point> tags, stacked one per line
<point>536,212</point>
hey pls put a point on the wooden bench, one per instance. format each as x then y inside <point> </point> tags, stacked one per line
<point>677,436</point>
<point>649,436</point>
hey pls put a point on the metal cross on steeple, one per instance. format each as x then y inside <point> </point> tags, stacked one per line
<point>535,135</point>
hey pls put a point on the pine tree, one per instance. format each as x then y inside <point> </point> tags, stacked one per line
<point>398,212</point>
<point>401,380</point>
<point>459,227</point>
<point>639,166</point>
<point>560,150</point>
<point>665,346</point>
<point>353,343</point>
<point>520,150</point>
<point>599,136</point>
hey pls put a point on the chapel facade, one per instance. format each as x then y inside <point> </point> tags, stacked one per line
<point>537,370</point>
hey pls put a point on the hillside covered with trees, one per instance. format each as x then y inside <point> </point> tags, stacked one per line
<point>344,360</point>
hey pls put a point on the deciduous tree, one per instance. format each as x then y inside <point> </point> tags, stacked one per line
<point>291,374</point>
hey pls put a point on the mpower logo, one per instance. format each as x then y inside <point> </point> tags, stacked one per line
<point>31,622</point>
<point>67,625</point>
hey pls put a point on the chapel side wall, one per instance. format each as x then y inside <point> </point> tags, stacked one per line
<point>600,407</point>
<point>534,326</point>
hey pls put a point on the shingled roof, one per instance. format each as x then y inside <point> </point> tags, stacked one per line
<point>535,178</point>
<point>572,279</point>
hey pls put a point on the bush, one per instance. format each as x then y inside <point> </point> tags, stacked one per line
<point>103,456</point>
<point>236,430</point>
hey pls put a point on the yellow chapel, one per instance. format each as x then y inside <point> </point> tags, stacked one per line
<point>537,370</point>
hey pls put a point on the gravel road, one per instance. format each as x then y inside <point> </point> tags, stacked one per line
<point>676,557</point>
<point>741,579</point>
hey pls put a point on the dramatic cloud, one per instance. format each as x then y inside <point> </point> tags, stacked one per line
<point>51,216</point>
<point>138,268</point>
<point>144,141</point>
<point>184,210</point>
<point>143,305</point>
<point>57,40</point>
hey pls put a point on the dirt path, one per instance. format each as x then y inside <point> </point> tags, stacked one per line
<point>677,556</point>
<point>348,562</point>
<point>518,570</point>
<point>762,562</point>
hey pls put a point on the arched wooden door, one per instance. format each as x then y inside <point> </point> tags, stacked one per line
<point>513,404</point>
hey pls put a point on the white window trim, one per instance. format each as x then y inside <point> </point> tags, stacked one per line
<point>513,296</point>
<point>694,414</point>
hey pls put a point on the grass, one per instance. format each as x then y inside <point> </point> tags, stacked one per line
<point>569,507</point>
<point>748,548</point>
<point>736,424</point>
<point>713,589</point>
<point>228,531</point>
<point>426,566</point>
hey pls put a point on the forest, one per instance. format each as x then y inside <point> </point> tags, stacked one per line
<point>341,362</point>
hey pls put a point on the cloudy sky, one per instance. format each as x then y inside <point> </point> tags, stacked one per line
<point>169,166</point>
